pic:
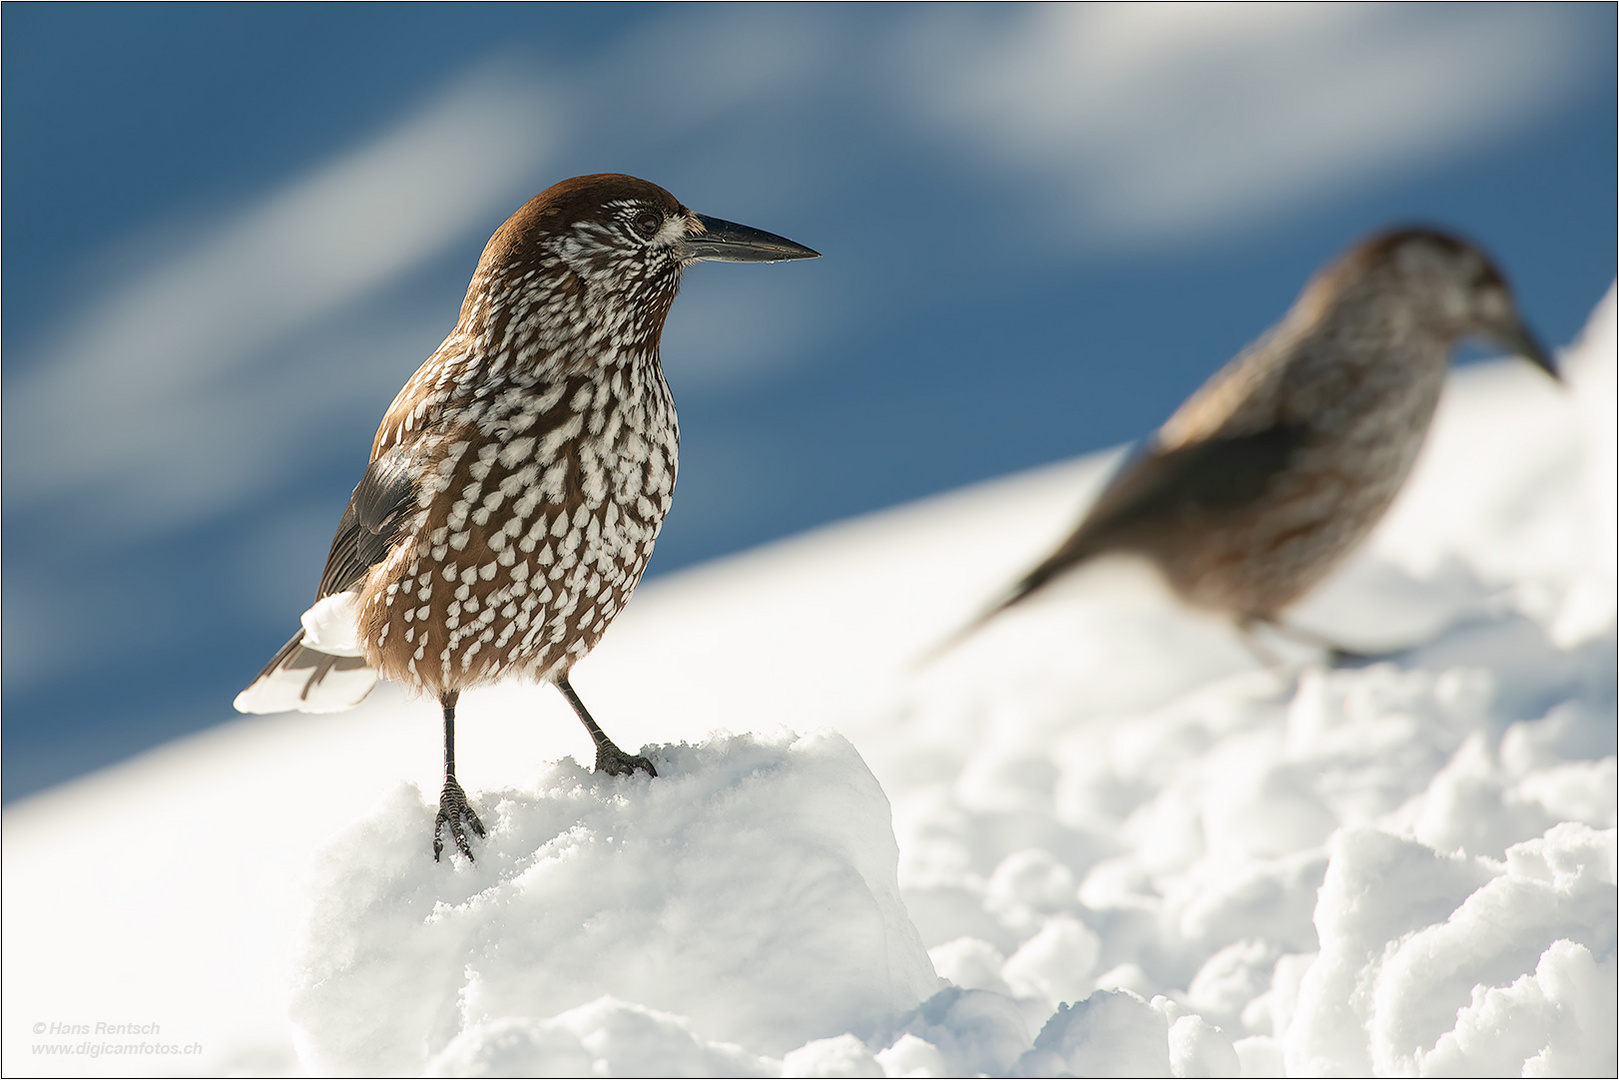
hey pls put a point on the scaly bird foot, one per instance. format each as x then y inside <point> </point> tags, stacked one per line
<point>455,814</point>
<point>1350,658</point>
<point>615,762</point>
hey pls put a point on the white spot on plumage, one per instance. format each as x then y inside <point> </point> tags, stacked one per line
<point>556,477</point>
<point>516,451</point>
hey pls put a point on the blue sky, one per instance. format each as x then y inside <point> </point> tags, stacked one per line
<point>232,231</point>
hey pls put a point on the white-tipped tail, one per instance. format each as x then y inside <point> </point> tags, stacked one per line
<point>320,670</point>
<point>332,626</point>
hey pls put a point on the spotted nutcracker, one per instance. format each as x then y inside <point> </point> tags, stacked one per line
<point>518,481</point>
<point>1268,476</point>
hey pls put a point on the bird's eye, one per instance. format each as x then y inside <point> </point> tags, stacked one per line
<point>646,224</point>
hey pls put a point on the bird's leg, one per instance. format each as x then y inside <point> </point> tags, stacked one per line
<point>609,758</point>
<point>1260,651</point>
<point>1337,655</point>
<point>454,813</point>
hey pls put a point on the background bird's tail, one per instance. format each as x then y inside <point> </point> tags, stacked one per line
<point>308,680</point>
<point>933,653</point>
<point>1086,542</point>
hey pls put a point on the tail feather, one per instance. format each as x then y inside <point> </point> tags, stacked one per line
<point>308,680</point>
<point>1074,552</point>
<point>938,649</point>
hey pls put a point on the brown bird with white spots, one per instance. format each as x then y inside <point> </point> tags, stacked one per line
<point>1272,473</point>
<point>519,480</point>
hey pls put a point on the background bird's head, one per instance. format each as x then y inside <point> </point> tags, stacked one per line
<point>602,255</point>
<point>1440,285</point>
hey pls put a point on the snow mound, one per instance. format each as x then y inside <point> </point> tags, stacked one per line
<point>1358,872</point>
<point>749,891</point>
<point>1500,985</point>
<point>606,1037</point>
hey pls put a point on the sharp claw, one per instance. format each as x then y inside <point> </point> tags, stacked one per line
<point>455,814</point>
<point>1349,658</point>
<point>615,762</point>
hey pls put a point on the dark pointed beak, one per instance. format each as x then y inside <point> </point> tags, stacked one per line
<point>726,241</point>
<point>1517,337</point>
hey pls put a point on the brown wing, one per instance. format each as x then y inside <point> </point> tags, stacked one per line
<point>381,501</point>
<point>1162,489</point>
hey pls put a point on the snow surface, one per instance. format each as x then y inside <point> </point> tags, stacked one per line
<point>1098,838</point>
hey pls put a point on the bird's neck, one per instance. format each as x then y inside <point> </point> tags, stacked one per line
<point>552,321</point>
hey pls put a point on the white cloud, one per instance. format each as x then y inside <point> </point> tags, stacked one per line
<point>143,393</point>
<point>701,68</point>
<point>1166,122</point>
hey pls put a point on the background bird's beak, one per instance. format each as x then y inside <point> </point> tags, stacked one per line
<point>1515,336</point>
<point>726,241</point>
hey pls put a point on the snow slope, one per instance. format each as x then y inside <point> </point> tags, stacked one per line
<point>1127,846</point>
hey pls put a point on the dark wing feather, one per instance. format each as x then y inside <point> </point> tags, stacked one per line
<point>1152,488</point>
<point>1155,487</point>
<point>307,679</point>
<point>384,497</point>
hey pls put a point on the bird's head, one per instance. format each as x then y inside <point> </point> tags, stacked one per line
<point>1448,285</point>
<point>605,253</point>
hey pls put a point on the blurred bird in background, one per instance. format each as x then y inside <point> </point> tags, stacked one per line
<point>1277,467</point>
<point>518,482</point>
